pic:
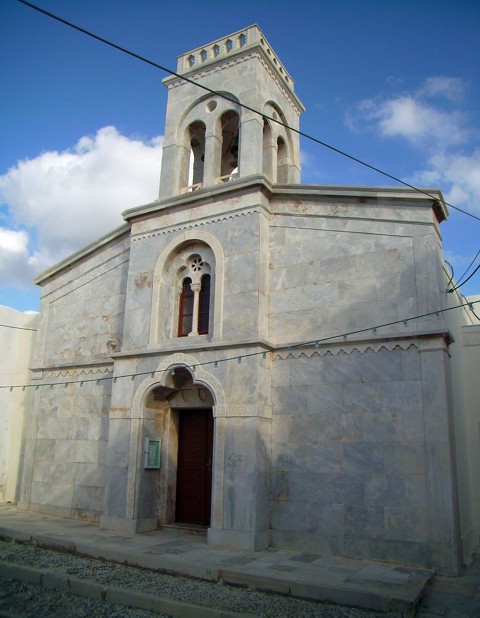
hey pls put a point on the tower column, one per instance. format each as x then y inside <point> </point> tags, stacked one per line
<point>213,154</point>
<point>251,146</point>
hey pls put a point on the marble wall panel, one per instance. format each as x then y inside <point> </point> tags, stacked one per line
<point>399,285</point>
<point>354,244</point>
<point>280,429</point>
<point>346,489</point>
<point>282,255</point>
<point>309,371</point>
<point>357,290</point>
<point>53,472</point>
<point>87,498</point>
<point>403,552</point>
<point>303,487</point>
<point>89,474</point>
<point>326,544</point>
<point>86,451</point>
<point>363,458</point>
<point>325,398</point>
<point>405,459</point>
<point>343,368</point>
<point>382,366</point>
<point>115,497</point>
<point>53,428</point>
<point>118,443</point>
<point>385,260</point>
<point>290,515</point>
<point>286,401</point>
<point>308,297</point>
<point>365,521</point>
<point>241,237</point>
<point>241,273</point>
<point>45,449</point>
<point>64,450</point>
<point>330,267</point>
<point>279,486</point>
<point>404,524</point>
<point>87,428</point>
<point>413,426</point>
<point>52,494</point>
<point>385,490</point>
<point>239,315</point>
<point>411,364</point>
<point>384,427</point>
<point>296,326</point>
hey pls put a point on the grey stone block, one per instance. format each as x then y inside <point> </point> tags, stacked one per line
<point>55,581</point>
<point>130,598</point>
<point>9,570</point>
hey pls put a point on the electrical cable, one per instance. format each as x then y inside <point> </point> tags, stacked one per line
<point>464,282</point>
<point>243,105</point>
<point>238,358</point>
<point>471,307</point>
<point>17,327</point>
<point>452,275</point>
<point>459,282</point>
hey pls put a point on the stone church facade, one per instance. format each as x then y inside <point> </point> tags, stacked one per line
<point>238,320</point>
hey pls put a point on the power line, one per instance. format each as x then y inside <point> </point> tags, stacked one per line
<point>243,105</point>
<point>464,282</point>
<point>17,327</point>
<point>314,342</point>
<point>459,282</point>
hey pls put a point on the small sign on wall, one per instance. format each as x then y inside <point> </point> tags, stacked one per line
<point>152,453</point>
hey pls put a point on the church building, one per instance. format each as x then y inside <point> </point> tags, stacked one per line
<point>245,355</point>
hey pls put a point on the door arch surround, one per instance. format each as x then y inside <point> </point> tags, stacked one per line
<point>162,378</point>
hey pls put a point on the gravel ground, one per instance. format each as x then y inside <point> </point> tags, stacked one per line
<point>23,600</point>
<point>30,600</point>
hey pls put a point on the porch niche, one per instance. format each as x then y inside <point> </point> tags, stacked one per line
<point>182,487</point>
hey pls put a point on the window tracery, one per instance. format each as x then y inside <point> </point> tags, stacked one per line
<point>194,298</point>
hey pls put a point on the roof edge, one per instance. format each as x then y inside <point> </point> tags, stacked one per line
<point>42,277</point>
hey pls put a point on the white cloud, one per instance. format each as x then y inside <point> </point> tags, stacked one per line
<point>67,199</point>
<point>430,120</point>
<point>451,88</point>
<point>411,118</point>
<point>459,173</point>
<point>17,266</point>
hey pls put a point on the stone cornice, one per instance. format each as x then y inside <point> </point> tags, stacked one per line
<point>368,343</point>
<point>284,82</point>
<point>67,371</point>
<point>207,195</point>
<point>243,212</point>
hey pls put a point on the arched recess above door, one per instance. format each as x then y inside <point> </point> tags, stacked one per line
<point>161,378</point>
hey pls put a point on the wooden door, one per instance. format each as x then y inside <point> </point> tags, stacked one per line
<point>194,466</point>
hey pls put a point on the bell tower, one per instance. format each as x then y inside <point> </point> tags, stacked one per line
<point>211,139</point>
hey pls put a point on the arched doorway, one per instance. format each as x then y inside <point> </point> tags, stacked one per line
<point>191,448</point>
<point>157,409</point>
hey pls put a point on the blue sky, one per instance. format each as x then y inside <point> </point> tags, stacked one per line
<point>396,83</point>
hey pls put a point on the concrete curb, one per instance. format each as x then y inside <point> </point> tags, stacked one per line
<point>372,591</point>
<point>63,583</point>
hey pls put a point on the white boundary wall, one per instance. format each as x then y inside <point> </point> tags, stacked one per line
<point>16,347</point>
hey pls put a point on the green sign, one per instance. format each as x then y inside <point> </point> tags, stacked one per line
<point>152,453</point>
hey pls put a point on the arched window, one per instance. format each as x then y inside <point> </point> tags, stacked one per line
<point>185,309</point>
<point>187,290</point>
<point>204,306</point>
